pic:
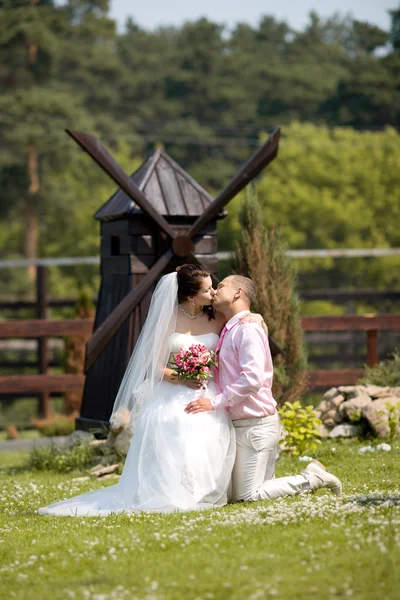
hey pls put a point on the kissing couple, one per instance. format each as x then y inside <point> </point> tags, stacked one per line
<point>193,445</point>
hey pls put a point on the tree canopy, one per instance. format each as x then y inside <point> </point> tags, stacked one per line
<point>209,95</point>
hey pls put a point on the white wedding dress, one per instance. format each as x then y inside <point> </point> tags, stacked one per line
<point>176,461</point>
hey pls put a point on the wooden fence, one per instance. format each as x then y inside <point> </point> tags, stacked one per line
<point>44,383</point>
<point>371,325</point>
<point>346,348</point>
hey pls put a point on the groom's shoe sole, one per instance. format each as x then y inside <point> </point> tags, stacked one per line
<point>331,482</point>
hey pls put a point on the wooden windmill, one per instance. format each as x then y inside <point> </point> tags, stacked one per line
<point>159,218</point>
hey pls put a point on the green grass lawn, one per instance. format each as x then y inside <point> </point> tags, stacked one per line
<point>313,546</point>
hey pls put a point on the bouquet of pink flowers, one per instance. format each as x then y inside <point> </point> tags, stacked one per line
<point>195,363</point>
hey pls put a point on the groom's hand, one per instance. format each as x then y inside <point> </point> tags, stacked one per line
<point>198,406</point>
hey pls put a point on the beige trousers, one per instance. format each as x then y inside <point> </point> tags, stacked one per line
<point>253,476</point>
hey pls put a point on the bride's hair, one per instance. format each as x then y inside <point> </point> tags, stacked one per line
<point>189,284</point>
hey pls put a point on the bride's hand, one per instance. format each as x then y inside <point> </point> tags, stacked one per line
<point>191,383</point>
<point>172,377</point>
<point>255,318</point>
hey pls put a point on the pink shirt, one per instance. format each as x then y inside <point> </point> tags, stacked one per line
<point>245,371</point>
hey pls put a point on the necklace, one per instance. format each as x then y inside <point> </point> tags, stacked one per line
<point>187,314</point>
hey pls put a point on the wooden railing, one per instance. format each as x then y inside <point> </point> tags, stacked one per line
<point>371,324</point>
<point>45,383</point>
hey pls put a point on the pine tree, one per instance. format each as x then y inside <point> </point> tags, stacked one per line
<point>34,110</point>
<point>260,255</point>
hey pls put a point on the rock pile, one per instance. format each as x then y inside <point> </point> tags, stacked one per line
<point>348,411</point>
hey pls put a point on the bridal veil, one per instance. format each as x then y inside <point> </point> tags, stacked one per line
<point>150,355</point>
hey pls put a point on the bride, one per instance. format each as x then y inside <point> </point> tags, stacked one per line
<point>176,461</point>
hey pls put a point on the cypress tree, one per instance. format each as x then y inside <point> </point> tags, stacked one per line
<point>261,255</point>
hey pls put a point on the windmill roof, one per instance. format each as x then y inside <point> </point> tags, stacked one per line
<point>170,190</point>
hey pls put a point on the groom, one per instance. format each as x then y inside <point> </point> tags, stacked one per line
<point>245,374</point>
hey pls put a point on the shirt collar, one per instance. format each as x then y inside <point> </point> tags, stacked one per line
<point>235,319</point>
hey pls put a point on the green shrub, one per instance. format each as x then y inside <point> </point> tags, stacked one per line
<point>60,459</point>
<point>301,428</point>
<point>58,427</point>
<point>393,418</point>
<point>385,373</point>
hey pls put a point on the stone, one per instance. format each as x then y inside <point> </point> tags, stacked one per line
<point>323,432</point>
<point>328,405</point>
<point>339,417</point>
<point>351,391</point>
<point>110,443</point>
<point>331,393</point>
<point>387,392</point>
<point>99,447</point>
<point>376,413</point>
<point>346,389</point>
<point>353,408</point>
<point>346,430</point>
<point>106,459</point>
<point>376,391</point>
<point>327,410</point>
<point>322,406</point>
<point>328,415</point>
<point>337,400</point>
<point>358,390</point>
<point>79,437</point>
<point>122,442</point>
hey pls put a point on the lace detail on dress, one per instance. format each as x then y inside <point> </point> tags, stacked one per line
<point>187,479</point>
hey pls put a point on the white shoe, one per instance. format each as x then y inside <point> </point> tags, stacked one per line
<point>318,477</point>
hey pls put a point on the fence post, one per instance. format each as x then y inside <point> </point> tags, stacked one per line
<point>372,347</point>
<point>351,347</point>
<point>44,407</point>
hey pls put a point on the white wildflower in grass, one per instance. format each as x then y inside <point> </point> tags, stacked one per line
<point>305,458</point>
<point>384,447</point>
<point>366,449</point>
<point>210,548</point>
<point>380,447</point>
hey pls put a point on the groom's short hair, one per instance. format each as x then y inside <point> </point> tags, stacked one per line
<point>247,285</point>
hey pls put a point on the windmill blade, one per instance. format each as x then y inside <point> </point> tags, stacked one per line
<point>103,335</point>
<point>100,154</point>
<point>256,163</point>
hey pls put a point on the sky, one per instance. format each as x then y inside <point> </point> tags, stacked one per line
<point>152,13</point>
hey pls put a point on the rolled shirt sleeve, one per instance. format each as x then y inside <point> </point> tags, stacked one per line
<point>253,361</point>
